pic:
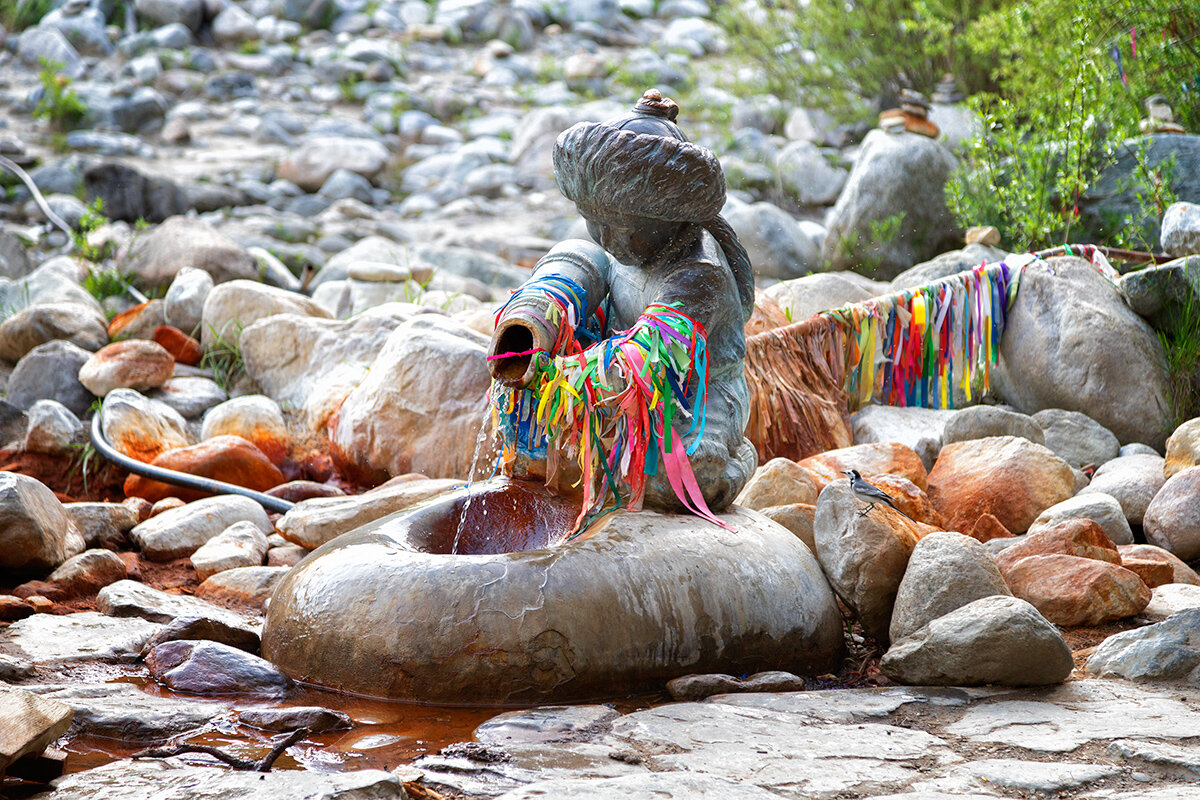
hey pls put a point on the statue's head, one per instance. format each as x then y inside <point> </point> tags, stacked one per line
<point>641,185</point>
<point>639,165</point>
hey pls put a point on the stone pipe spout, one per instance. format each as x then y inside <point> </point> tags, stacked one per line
<point>512,355</point>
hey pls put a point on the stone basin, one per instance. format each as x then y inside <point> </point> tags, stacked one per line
<point>521,614</point>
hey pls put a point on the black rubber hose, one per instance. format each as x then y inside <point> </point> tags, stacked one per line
<point>104,448</point>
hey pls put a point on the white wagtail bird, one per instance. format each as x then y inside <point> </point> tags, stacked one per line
<point>866,493</point>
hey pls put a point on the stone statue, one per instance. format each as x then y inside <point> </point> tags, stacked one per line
<point>663,264</point>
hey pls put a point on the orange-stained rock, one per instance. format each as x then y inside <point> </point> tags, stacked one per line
<point>142,428</point>
<point>1153,573</point>
<point>13,608</point>
<point>140,506</point>
<point>1072,591</point>
<point>767,316</point>
<point>910,499</point>
<point>1074,537</point>
<point>881,458</point>
<point>256,418</point>
<point>129,364</point>
<point>1010,478</point>
<point>987,527</point>
<point>1181,572</point>
<point>183,348</point>
<point>138,322</point>
<point>225,458</point>
<point>165,505</point>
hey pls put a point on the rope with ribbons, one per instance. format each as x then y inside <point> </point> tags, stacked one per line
<point>616,407</point>
<point>927,345</point>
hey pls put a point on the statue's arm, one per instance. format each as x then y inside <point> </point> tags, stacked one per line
<point>576,270</point>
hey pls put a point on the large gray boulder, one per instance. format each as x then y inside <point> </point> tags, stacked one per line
<point>1072,343</point>
<point>802,297</point>
<point>892,212</point>
<point>1181,230</point>
<point>778,245</point>
<point>1001,640</point>
<point>1132,480</point>
<point>1172,519</point>
<point>1077,438</point>
<point>1168,650</point>
<point>35,531</point>
<point>946,264</point>
<point>158,256</point>
<point>945,572</point>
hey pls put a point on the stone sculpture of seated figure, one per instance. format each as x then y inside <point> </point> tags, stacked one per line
<point>667,269</point>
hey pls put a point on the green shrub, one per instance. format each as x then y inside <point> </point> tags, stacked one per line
<point>58,105</point>
<point>22,14</point>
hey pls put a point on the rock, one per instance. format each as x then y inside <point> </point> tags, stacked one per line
<point>35,531</point>
<point>166,12</point>
<point>244,586</point>
<point>160,255</point>
<point>102,524</point>
<point>1166,651</point>
<point>232,307</point>
<point>1077,438</point>
<point>864,557</point>
<point>296,491</point>
<point>917,428</point>
<point>987,528</point>
<point>233,26</point>
<point>49,639</point>
<point>1114,195</point>
<point>806,176</point>
<point>1132,480</point>
<point>1180,234</point>
<point>909,498</point>
<point>210,629</point>
<point>183,348</point>
<point>946,264</point>
<point>780,481</point>
<point>1171,598</point>
<point>1070,590</point>
<point>46,322</point>
<point>898,177</point>
<point>700,687</point>
<point>130,599</point>
<point>311,164</point>
<point>980,422</point>
<point>545,724</point>
<point>797,518</point>
<point>131,364</point>
<point>288,555</point>
<point>420,407</point>
<point>138,322</point>
<point>129,779</point>
<point>50,372</point>
<point>189,397</point>
<point>762,570</point>
<point>1071,342</point>
<point>1183,448</point>
<point>122,711</point>
<point>1074,537</point>
<point>89,572</point>
<point>255,418</point>
<point>212,668</point>
<point>45,43</point>
<point>31,724</point>
<point>181,531</point>
<point>776,243</point>
<point>184,303</point>
<point>803,297</point>
<point>1000,640</point>
<point>1181,572</point>
<point>1153,572</point>
<point>1011,478</point>
<point>811,125</point>
<point>1172,520</point>
<point>128,193</point>
<point>314,522</point>
<point>946,571</point>
<point>230,459</point>
<point>12,608</point>
<point>139,427</point>
<point>53,429</point>
<point>242,544</point>
<point>1101,508</point>
<point>315,718</point>
<point>885,458</point>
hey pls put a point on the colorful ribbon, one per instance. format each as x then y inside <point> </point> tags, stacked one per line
<point>617,407</point>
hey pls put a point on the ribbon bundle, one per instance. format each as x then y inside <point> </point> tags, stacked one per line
<point>919,346</point>
<point>614,407</point>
